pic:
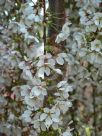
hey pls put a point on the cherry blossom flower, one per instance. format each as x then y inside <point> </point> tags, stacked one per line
<point>50,116</point>
<point>96,45</point>
<point>63,35</point>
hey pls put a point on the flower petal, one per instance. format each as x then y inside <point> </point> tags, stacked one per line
<point>43,116</point>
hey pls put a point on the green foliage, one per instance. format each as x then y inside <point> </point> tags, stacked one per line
<point>50,133</point>
<point>88,131</point>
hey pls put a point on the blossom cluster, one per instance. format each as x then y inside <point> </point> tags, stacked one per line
<point>27,69</point>
<point>24,72</point>
<point>85,46</point>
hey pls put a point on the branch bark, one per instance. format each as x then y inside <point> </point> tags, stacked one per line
<point>44,22</point>
<point>57,10</point>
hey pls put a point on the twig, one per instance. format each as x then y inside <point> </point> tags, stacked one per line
<point>94,111</point>
<point>44,21</point>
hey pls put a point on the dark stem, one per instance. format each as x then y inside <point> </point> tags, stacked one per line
<point>94,111</point>
<point>57,11</point>
<point>72,113</point>
<point>44,22</point>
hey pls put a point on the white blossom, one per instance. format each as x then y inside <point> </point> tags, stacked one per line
<point>35,102</point>
<point>96,45</point>
<point>37,90</point>
<point>49,117</point>
<point>64,33</point>
<point>63,86</point>
<point>67,133</point>
<point>63,104</point>
<point>98,19</point>
<point>27,116</point>
<point>45,64</point>
<point>94,58</point>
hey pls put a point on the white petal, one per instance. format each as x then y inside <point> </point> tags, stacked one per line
<point>97,22</point>
<point>60,84</point>
<point>55,126</point>
<point>29,101</point>
<point>46,110</point>
<point>23,28</point>
<point>40,63</point>
<point>57,111</point>
<point>43,116</point>
<point>24,90</point>
<point>48,55</point>
<point>65,95</point>
<point>51,62</point>
<point>54,118</point>
<point>63,55</point>
<point>60,37</point>
<point>48,122</point>
<point>68,89</point>
<point>31,17</point>
<point>40,51</point>
<point>40,72</point>
<point>58,71</point>
<point>22,65</point>
<point>44,92</point>
<point>66,26</point>
<point>28,74</point>
<point>43,127</point>
<point>37,18</point>
<point>69,104</point>
<point>28,119</point>
<point>60,60</point>
<point>36,124</point>
<point>67,134</point>
<point>35,91</point>
<point>47,71</point>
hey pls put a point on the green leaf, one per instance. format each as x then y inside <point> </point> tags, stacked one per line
<point>88,131</point>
